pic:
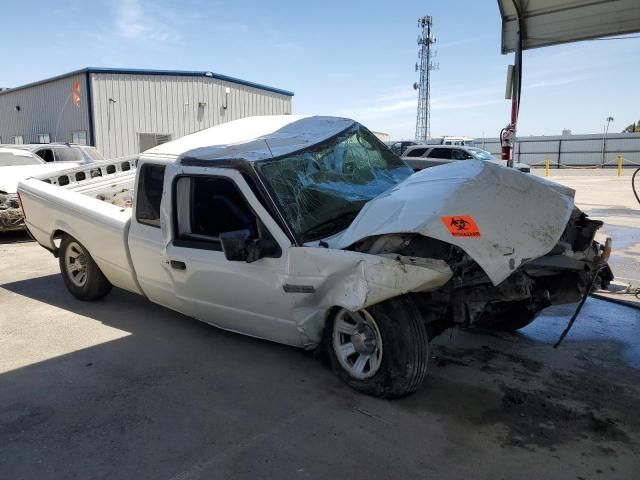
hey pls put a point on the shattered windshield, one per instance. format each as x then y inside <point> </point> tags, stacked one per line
<point>321,189</point>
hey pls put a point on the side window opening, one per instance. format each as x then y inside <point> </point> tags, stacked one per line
<point>217,206</point>
<point>458,154</point>
<point>444,153</point>
<point>68,155</point>
<point>149,196</point>
<point>208,206</point>
<point>416,152</point>
<point>46,154</point>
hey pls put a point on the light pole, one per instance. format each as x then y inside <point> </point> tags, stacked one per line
<point>604,139</point>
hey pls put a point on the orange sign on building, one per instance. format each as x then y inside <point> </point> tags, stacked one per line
<point>76,94</point>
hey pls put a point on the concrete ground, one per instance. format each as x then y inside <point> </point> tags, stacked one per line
<point>122,389</point>
<point>605,196</point>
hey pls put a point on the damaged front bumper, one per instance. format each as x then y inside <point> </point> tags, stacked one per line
<point>564,275</point>
<point>11,217</point>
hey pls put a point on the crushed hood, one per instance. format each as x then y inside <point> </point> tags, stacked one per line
<point>500,217</point>
<point>10,176</point>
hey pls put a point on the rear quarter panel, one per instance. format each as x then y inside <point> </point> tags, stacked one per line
<point>101,227</point>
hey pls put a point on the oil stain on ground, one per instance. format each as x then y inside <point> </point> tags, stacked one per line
<point>537,405</point>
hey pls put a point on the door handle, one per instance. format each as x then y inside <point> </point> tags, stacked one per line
<point>177,265</point>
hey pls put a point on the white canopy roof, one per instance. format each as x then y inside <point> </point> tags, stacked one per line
<point>549,22</point>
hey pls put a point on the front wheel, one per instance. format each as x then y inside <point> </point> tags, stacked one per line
<point>82,277</point>
<point>381,350</point>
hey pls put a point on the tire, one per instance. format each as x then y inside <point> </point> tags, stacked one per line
<point>509,319</point>
<point>398,363</point>
<point>86,282</point>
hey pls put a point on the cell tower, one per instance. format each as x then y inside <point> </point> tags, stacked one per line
<point>425,55</point>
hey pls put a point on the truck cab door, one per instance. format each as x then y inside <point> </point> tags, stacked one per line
<point>231,294</point>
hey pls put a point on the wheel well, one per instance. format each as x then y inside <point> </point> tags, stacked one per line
<point>55,237</point>
<point>328,315</point>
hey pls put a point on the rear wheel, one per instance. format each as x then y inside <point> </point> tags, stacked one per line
<point>80,274</point>
<point>381,350</point>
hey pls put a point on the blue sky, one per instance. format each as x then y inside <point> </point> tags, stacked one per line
<point>351,58</point>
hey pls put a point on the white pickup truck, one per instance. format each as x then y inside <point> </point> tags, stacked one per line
<point>310,232</point>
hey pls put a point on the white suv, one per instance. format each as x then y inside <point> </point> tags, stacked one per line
<point>424,156</point>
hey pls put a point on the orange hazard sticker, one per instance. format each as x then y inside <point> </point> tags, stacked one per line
<point>461,226</point>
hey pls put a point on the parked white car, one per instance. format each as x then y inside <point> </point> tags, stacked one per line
<point>61,152</point>
<point>15,165</point>
<point>424,156</point>
<point>308,231</point>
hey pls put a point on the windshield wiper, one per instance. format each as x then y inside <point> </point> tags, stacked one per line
<point>329,226</point>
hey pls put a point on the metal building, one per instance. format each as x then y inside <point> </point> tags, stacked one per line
<point>124,111</point>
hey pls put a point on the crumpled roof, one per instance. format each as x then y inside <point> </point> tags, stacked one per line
<point>254,138</point>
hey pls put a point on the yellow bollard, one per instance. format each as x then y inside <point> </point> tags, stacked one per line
<point>619,165</point>
<point>546,167</point>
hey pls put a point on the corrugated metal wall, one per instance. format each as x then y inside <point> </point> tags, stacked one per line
<point>42,107</point>
<point>126,105</point>
<point>571,150</point>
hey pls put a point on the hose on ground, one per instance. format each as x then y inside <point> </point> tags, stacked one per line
<point>633,185</point>
<point>579,307</point>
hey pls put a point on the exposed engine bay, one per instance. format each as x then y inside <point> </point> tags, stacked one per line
<point>470,298</point>
<point>10,213</point>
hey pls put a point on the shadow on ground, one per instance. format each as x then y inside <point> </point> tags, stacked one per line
<point>20,236</point>
<point>179,399</point>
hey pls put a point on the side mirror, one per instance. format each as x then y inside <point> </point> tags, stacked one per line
<point>234,244</point>
<point>239,246</point>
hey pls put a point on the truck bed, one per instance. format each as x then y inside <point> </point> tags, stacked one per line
<point>92,204</point>
<point>98,180</point>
